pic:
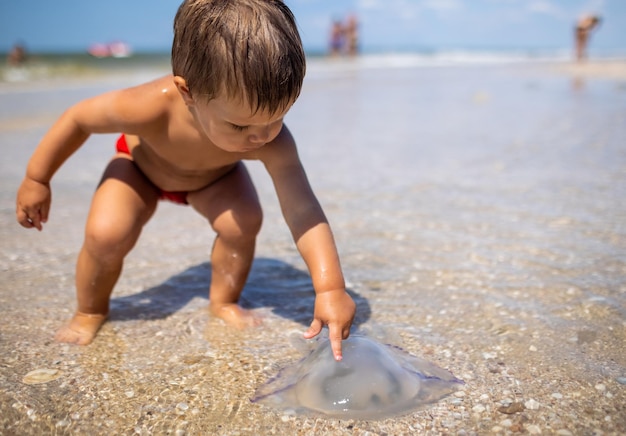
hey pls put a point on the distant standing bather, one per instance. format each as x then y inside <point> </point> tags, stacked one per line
<point>17,55</point>
<point>352,35</point>
<point>583,30</point>
<point>337,38</point>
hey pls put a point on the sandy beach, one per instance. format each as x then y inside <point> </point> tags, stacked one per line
<point>594,70</point>
<point>480,216</point>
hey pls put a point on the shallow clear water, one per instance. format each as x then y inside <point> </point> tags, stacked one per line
<point>478,211</point>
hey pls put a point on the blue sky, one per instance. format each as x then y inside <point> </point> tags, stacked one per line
<point>46,25</point>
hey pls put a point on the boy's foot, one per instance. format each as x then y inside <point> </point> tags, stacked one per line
<point>81,329</point>
<point>235,315</point>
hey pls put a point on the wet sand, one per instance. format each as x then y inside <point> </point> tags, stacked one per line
<point>481,221</point>
<point>588,69</point>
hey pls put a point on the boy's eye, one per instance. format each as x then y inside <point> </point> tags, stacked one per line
<point>238,128</point>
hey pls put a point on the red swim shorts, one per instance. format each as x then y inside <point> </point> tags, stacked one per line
<point>179,197</point>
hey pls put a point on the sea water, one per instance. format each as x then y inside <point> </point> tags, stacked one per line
<point>478,210</point>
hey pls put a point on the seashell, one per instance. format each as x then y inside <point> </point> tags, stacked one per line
<point>42,375</point>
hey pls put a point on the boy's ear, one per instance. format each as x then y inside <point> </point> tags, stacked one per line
<point>183,89</point>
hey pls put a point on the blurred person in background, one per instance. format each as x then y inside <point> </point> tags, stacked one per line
<point>582,33</point>
<point>337,38</point>
<point>352,35</point>
<point>17,55</point>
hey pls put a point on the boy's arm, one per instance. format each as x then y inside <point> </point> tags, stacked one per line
<point>312,234</point>
<point>111,112</point>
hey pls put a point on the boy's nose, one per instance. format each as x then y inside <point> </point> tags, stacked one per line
<point>260,136</point>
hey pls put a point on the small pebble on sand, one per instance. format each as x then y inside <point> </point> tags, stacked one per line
<point>479,408</point>
<point>511,408</point>
<point>506,423</point>
<point>533,429</point>
<point>532,404</point>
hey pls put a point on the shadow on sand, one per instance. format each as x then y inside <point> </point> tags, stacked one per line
<point>272,284</point>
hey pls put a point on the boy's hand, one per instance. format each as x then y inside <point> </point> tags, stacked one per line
<point>335,309</point>
<point>33,203</point>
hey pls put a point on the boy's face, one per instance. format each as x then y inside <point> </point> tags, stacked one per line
<point>231,125</point>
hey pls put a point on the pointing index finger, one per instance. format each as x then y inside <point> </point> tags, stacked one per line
<point>335,336</point>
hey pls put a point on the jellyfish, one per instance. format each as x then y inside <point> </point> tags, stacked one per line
<point>372,381</point>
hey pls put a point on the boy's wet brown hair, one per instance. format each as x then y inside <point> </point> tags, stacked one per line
<point>249,49</point>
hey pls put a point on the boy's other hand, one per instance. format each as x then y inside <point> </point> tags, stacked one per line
<point>33,203</point>
<point>335,309</point>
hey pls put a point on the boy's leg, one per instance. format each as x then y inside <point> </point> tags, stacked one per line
<point>122,204</point>
<point>232,207</point>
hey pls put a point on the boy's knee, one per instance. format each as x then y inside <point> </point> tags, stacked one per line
<point>242,223</point>
<point>253,220</point>
<point>106,239</point>
<point>249,219</point>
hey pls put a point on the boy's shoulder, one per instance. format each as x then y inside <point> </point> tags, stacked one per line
<point>146,103</point>
<point>155,89</point>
